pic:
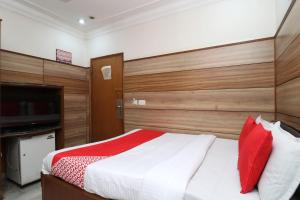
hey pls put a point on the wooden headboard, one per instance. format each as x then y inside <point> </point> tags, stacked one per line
<point>210,90</point>
<point>287,48</point>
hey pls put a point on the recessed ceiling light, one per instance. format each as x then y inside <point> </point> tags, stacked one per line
<point>81,21</point>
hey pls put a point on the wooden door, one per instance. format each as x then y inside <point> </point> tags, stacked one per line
<point>107,97</point>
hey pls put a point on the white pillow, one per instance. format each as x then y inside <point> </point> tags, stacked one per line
<point>266,124</point>
<point>281,175</point>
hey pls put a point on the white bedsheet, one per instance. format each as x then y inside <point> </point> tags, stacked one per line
<point>218,177</point>
<point>159,169</point>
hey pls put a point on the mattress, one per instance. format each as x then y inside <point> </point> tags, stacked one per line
<point>218,178</point>
<point>158,169</point>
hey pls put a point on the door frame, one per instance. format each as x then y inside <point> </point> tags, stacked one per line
<point>92,87</point>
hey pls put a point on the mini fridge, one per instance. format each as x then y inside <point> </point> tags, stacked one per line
<point>24,157</point>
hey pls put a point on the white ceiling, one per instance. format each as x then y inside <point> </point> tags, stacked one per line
<point>105,11</point>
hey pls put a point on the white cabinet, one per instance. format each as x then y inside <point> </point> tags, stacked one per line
<point>25,156</point>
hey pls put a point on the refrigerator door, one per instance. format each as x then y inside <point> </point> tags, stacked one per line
<point>12,160</point>
<point>32,152</point>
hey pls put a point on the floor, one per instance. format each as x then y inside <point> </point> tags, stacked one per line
<point>14,192</point>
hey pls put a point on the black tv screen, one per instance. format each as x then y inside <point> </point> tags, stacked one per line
<point>28,106</point>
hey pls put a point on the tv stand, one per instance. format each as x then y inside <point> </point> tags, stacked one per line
<point>30,132</point>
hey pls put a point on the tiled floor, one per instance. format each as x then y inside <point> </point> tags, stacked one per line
<point>14,192</point>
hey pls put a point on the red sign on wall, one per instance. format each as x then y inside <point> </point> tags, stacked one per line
<point>63,56</point>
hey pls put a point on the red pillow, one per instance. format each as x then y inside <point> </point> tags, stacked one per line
<point>247,128</point>
<point>249,125</point>
<point>254,156</point>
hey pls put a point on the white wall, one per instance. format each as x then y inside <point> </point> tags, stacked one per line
<point>223,22</point>
<point>24,35</point>
<point>281,8</point>
<point>218,23</point>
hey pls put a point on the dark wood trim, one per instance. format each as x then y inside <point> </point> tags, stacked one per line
<point>285,82</point>
<point>90,106</point>
<point>123,83</point>
<point>22,54</point>
<point>43,71</point>
<point>285,17</point>
<point>275,81</point>
<point>107,56</point>
<point>31,85</point>
<point>199,49</point>
<point>91,101</point>
<point>288,115</point>
<point>31,133</point>
<point>60,133</point>
<point>192,109</point>
<point>55,188</point>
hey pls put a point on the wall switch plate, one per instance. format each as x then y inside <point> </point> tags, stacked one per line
<point>142,102</point>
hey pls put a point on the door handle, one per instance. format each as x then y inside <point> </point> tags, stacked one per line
<point>119,110</point>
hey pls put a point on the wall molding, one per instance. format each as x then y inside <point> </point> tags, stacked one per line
<point>42,18</point>
<point>106,27</point>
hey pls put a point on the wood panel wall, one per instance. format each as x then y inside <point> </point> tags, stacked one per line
<point>23,69</point>
<point>287,48</point>
<point>75,81</point>
<point>209,90</point>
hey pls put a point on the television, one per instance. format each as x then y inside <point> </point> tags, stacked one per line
<point>25,107</point>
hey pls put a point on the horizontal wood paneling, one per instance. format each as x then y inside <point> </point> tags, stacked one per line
<point>75,132</point>
<point>75,81</point>
<point>203,121</point>
<point>244,76</point>
<point>241,54</point>
<point>71,86</point>
<point>73,116</point>
<point>75,127</point>
<point>71,124</point>
<point>75,141</point>
<point>75,102</point>
<point>290,120</point>
<point>289,31</point>
<point>64,71</point>
<point>288,98</point>
<point>20,63</point>
<point>76,119</point>
<point>15,68</point>
<point>200,92</point>
<point>19,68</point>
<point>288,64</point>
<point>78,133</point>
<point>20,77</point>
<point>288,69</point>
<point>253,99</point>
<point>130,127</point>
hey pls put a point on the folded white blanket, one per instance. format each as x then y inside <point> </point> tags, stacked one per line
<point>159,169</point>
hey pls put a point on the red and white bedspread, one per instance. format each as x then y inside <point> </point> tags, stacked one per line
<point>137,165</point>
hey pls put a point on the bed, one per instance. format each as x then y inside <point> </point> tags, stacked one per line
<point>214,168</point>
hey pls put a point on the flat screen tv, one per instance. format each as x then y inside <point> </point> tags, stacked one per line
<point>28,106</point>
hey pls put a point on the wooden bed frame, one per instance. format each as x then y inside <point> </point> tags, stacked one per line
<point>54,188</point>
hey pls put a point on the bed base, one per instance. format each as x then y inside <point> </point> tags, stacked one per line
<point>55,188</point>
